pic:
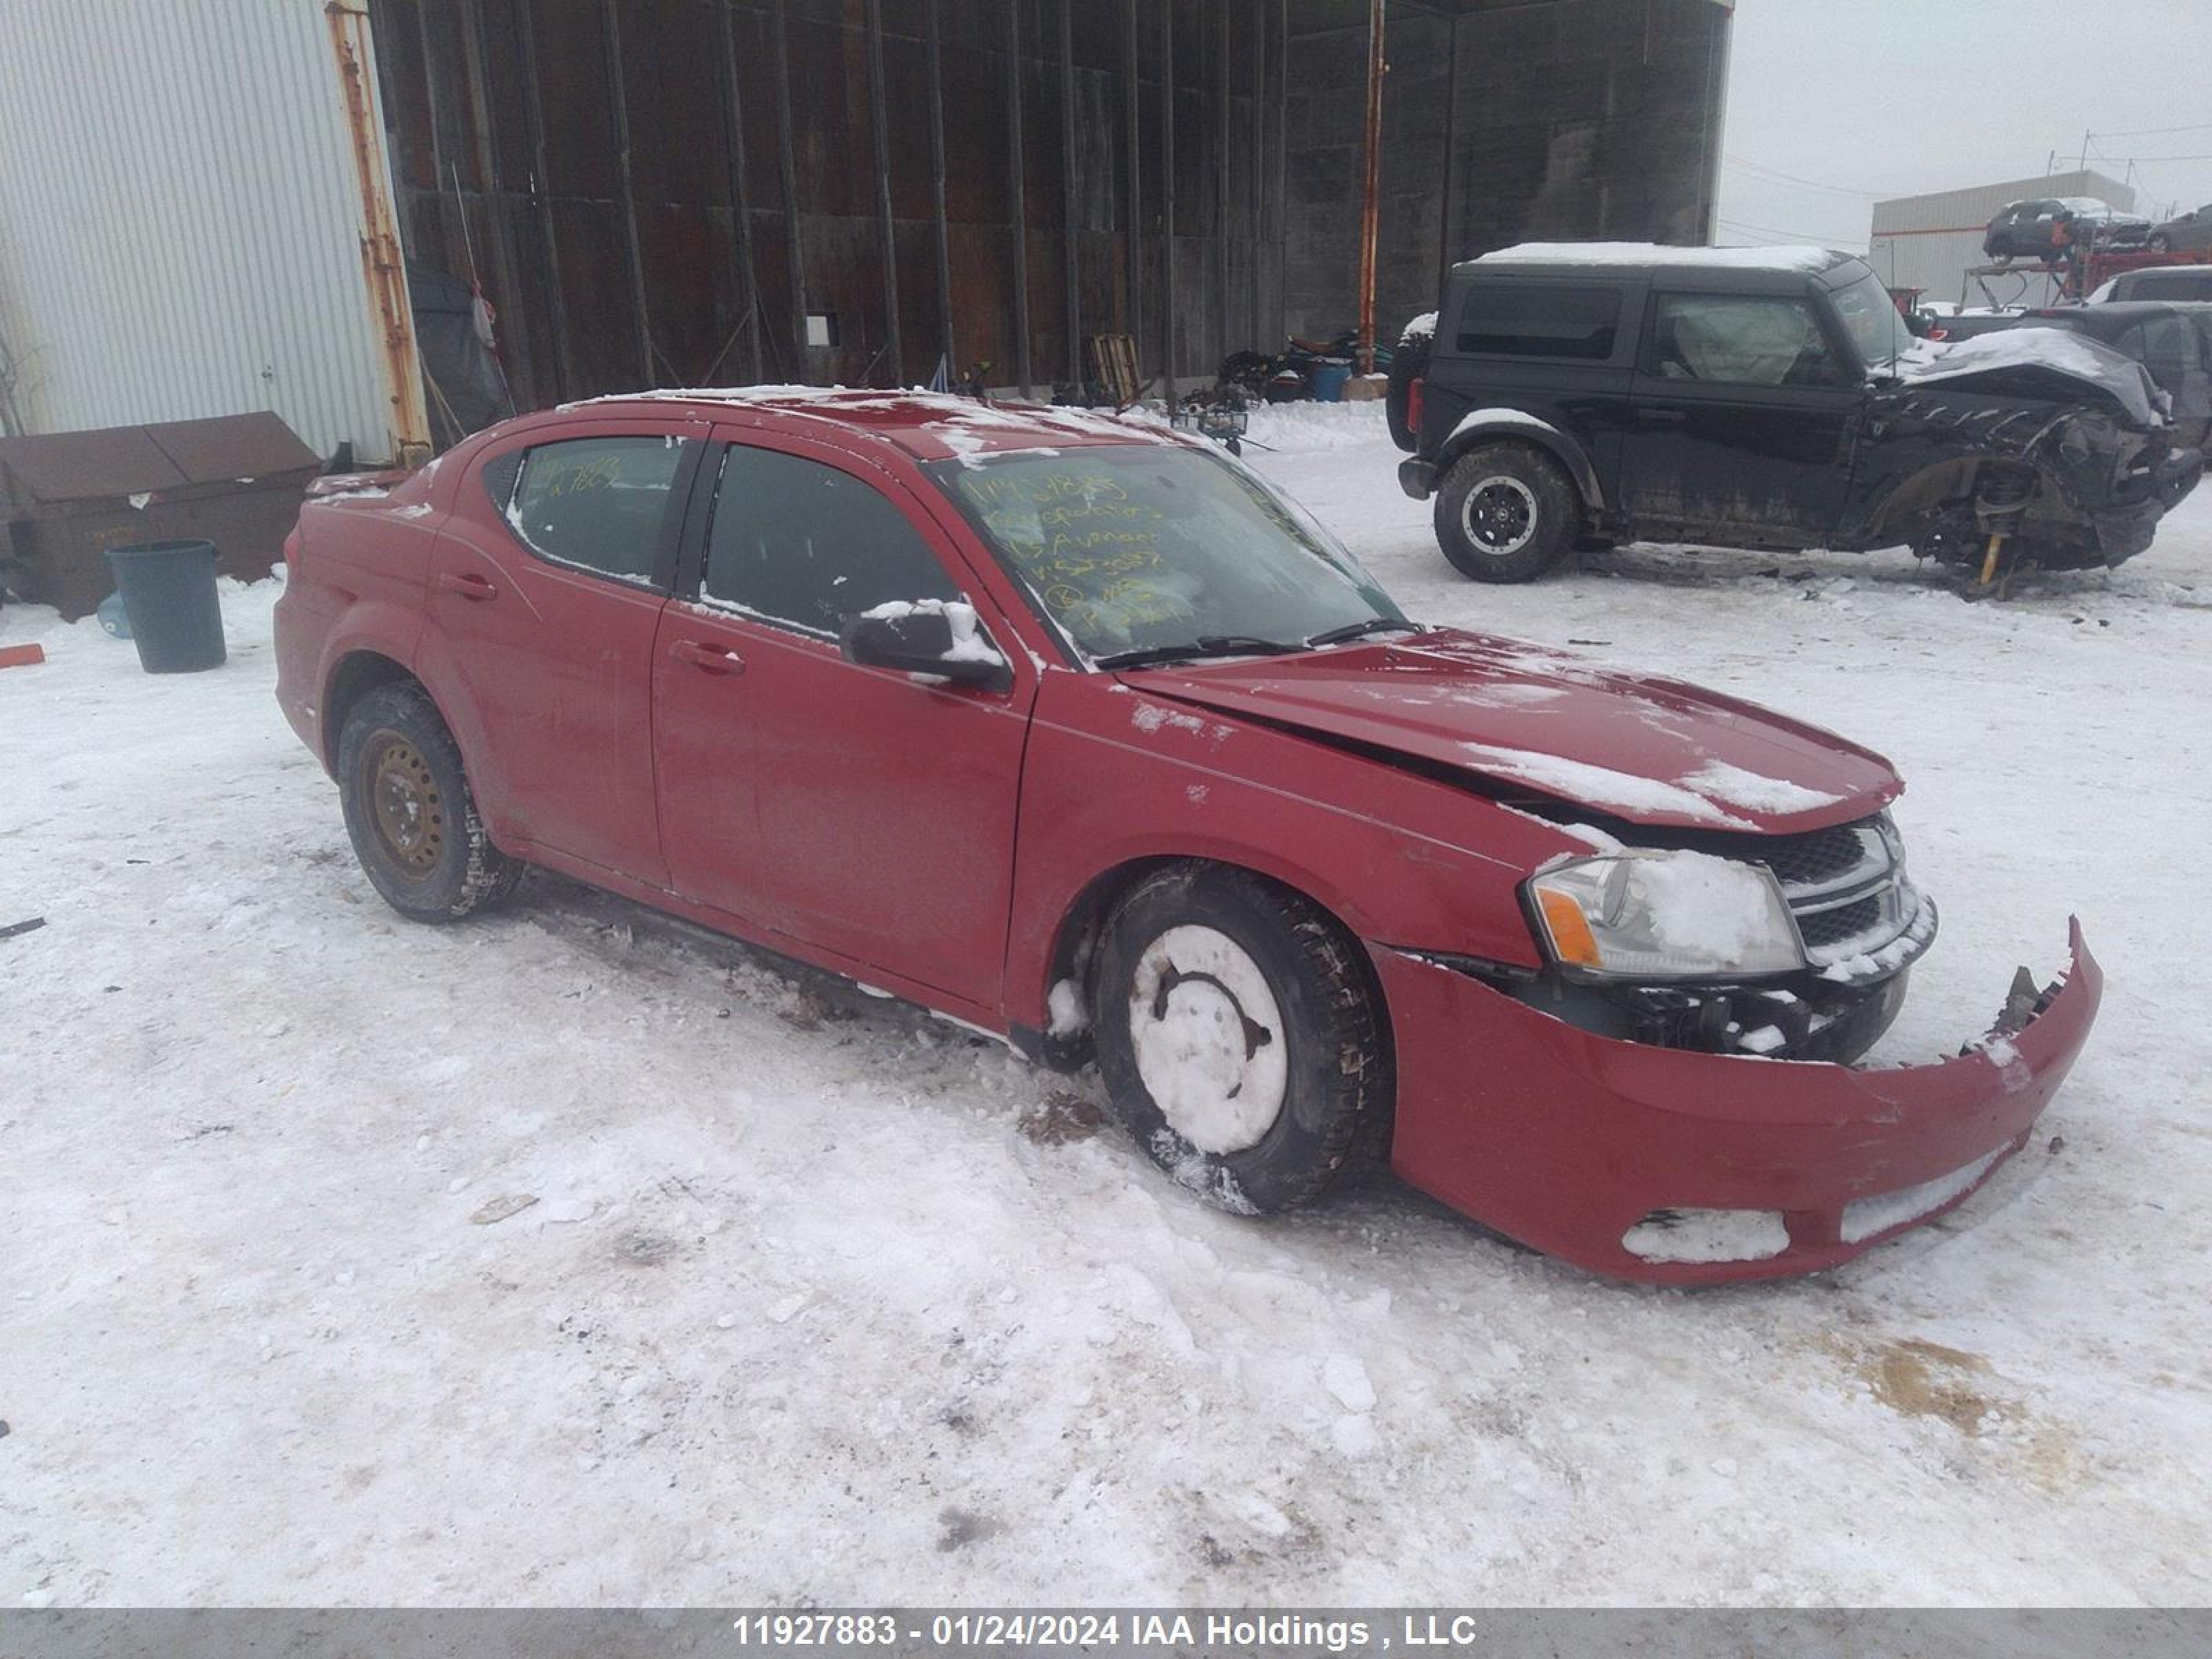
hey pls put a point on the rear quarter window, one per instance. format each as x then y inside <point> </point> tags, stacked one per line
<point>1574,322</point>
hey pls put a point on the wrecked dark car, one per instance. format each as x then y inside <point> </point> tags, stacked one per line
<point>2173,341</point>
<point>1585,394</point>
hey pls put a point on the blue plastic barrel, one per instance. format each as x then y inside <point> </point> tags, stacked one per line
<point>1328,381</point>
<point>169,594</point>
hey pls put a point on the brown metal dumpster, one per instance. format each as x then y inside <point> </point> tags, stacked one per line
<point>234,480</point>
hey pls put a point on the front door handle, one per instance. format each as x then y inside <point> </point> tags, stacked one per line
<point>708,659</point>
<point>1671,416</point>
<point>469,584</point>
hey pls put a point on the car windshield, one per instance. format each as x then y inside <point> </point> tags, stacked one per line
<point>1148,548</point>
<point>1877,327</point>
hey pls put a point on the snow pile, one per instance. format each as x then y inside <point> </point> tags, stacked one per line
<point>1423,327</point>
<point>1302,428</point>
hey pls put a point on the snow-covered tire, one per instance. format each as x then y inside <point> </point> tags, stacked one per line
<point>1408,363</point>
<point>1242,1038</point>
<point>408,811</point>
<point>1506,513</point>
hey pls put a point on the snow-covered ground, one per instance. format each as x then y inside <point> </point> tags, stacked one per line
<point>822,1298</point>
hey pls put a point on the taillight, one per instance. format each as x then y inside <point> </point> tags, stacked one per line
<point>1414,406</point>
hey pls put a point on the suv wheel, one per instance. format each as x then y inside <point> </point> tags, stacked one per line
<point>1506,513</point>
<point>1241,1038</point>
<point>408,811</point>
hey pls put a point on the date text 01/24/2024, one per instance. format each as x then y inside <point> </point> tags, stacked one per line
<point>1025,1630</point>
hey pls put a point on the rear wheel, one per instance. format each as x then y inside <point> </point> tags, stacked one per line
<point>408,811</point>
<point>1506,513</point>
<point>1241,1038</point>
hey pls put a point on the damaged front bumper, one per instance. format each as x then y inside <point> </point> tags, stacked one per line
<point>1674,1167</point>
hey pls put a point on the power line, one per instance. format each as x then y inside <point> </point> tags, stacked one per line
<point>2153,132</point>
<point>1758,169</point>
<point>1742,228</point>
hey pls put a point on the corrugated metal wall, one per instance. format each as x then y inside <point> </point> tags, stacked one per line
<point>178,219</point>
<point>1931,241</point>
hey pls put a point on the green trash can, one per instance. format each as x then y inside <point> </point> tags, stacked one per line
<point>168,593</point>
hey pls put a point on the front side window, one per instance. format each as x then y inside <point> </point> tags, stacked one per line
<point>1143,546</point>
<point>1732,339</point>
<point>1871,318</point>
<point>806,545</point>
<point>1534,319</point>
<point>594,504</point>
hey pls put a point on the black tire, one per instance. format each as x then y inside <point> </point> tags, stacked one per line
<point>2162,245</point>
<point>409,810</point>
<point>1408,363</point>
<point>1338,1089</point>
<point>1506,513</point>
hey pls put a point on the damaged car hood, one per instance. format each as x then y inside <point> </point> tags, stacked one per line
<point>1546,726</point>
<point>2054,364</point>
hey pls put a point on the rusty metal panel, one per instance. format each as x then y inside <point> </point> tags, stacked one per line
<point>180,221</point>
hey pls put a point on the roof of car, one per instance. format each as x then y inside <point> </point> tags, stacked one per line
<point>1794,260</point>
<point>931,426</point>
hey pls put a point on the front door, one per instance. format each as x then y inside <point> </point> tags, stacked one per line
<point>859,811</point>
<point>1743,414</point>
<point>544,606</point>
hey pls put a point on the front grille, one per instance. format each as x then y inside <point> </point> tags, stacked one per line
<point>1832,926</point>
<point>1817,857</point>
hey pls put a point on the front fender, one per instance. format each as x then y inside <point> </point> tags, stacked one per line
<point>1114,777</point>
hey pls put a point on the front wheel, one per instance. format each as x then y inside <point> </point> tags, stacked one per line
<point>409,810</point>
<point>1241,1038</point>
<point>1506,513</point>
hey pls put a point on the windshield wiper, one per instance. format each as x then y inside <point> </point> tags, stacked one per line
<point>1206,645</point>
<point>1353,630</point>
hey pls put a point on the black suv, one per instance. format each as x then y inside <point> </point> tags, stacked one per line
<point>1571,395</point>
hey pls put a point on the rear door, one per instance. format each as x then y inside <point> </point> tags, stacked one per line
<point>1746,407</point>
<point>856,810</point>
<point>545,603</point>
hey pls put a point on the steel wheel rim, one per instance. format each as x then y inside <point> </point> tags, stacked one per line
<point>406,811</point>
<point>1208,1037</point>
<point>1500,515</point>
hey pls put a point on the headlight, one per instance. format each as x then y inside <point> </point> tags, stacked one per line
<point>1665,915</point>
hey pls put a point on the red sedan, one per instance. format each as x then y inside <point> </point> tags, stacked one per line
<point>1076,732</point>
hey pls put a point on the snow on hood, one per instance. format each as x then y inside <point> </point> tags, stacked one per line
<point>2027,352</point>
<point>1549,724</point>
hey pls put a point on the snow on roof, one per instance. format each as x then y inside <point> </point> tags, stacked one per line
<point>1659,253</point>
<point>933,425</point>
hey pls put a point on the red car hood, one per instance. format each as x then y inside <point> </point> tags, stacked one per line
<point>1545,724</point>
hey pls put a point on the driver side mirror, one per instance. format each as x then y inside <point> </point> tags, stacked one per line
<point>941,640</point>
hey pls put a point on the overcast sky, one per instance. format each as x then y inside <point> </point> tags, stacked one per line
<point>1864,99</point>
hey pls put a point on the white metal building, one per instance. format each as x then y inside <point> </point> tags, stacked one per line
<point>1929,242</point>
<point>181,220</point>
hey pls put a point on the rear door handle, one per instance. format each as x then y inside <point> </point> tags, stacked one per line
<point>469,584</point>
<point>708,659</point>
<point>1671,416</point>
